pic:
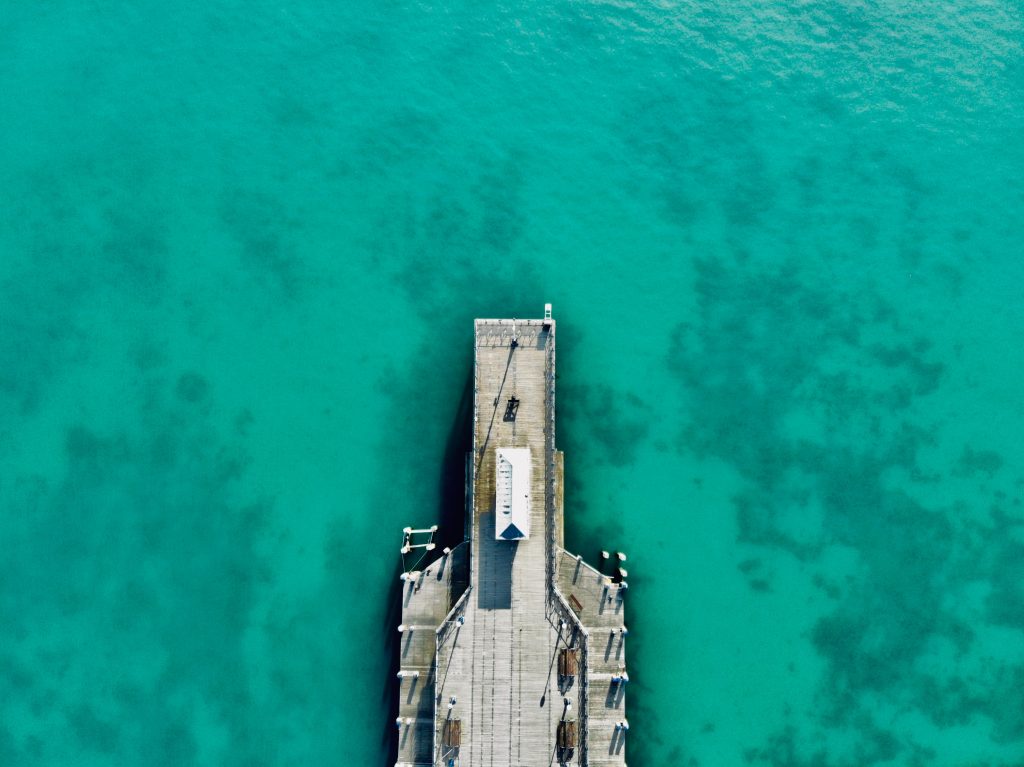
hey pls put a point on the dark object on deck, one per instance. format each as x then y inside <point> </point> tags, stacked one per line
<point>574,603</point>
<point>567,734</point>
<point>568,662</point>
<point>511,409</point>
<point>452,736</point>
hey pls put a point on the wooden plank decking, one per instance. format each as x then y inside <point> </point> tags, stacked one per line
<point>493,664</point>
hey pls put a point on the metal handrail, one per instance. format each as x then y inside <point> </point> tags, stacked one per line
<point>456,608</point>
<point>562,606</point>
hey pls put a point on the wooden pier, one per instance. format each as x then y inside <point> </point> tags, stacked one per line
<point>513,651</point>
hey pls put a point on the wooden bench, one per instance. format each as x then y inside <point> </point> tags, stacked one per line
<point>567,734</point>
<point>452,733</point>
<point>568,662</point>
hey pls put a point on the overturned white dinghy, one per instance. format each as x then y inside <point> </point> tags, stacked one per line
<point>512,494</point>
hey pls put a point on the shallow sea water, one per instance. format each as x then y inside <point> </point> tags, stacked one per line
<point>241,248</point>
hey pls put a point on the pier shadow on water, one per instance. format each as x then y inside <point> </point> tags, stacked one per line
<point>451,520</point>
<point>451,513</point>
<point>391,641</point>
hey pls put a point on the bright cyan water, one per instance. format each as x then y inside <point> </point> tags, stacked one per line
<point>241,246</point>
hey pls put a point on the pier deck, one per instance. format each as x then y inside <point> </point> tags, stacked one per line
<point>491,694</point>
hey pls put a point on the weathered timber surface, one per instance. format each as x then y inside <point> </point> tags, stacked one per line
<point>600,605</point>
<point>426,599</point>
<point>488,654</point>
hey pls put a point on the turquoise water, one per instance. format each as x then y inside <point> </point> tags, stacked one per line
<point>241,247</point>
